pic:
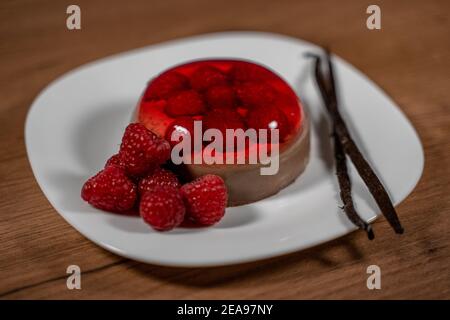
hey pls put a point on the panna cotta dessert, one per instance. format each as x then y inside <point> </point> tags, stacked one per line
<point>183,103</point>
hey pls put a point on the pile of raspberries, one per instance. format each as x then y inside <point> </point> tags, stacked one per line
<point>134,179</point>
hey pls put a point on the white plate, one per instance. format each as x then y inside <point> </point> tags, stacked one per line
<point>76,123</point>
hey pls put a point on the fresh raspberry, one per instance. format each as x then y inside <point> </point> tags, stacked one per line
<point>244,72</point>
<point>185,103</point>
<point>141,150</point>
<point>206,77</point>
<point>205,199</point>
<point>110,190</point>
<point>269,117</point>
<point>183,125</point>
<point>162,208</point>
<point>221,97</point>
<point>115,161</point>
<point>159,177</point>
<point>165,85</point>
<point>256,94</point>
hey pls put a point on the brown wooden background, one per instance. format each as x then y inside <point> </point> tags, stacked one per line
<point>409,58</point>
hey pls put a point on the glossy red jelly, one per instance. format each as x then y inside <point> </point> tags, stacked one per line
<point>224,94</point>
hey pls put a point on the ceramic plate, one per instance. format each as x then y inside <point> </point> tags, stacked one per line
<point>76,123</point>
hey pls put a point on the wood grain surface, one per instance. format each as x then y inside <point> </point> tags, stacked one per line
<point>408,57</point>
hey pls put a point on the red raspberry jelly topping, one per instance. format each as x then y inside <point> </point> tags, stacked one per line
<point>224,94</point>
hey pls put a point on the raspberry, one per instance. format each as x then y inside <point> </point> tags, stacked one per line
<point>141,150</point>
<point>223,119</point>
<point>243,72</point>
<point>160,177</point>
<point>182,125</point>
<point>162,208</point>
<point>185,103</point>
<point>115,161</point>
<point>269,117</point>
<point>110,190</point>
<point>206,77</point>
<point>221,97</point>
<point>165,85</point>
<point>205,199</point>
<point>256,94</point>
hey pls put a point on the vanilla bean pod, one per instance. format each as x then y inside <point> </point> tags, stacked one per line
<point>362,166</point>
<point>341,167</point>
<point>346,189</point>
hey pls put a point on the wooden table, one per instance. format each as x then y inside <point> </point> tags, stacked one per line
<point>408,57</point>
